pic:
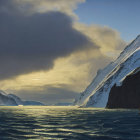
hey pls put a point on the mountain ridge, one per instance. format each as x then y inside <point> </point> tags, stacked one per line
<point>13,100</point>
<point>96,94</point>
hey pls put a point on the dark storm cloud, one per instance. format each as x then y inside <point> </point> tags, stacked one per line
<point>7,6</point>
<point>32,43</point>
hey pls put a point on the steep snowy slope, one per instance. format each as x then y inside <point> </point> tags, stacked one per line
<point>97,92</point>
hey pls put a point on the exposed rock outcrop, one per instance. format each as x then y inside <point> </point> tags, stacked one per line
<point>128,94</point>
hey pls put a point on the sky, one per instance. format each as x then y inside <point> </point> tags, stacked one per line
<point>121,15</point>
<point>50,50</point>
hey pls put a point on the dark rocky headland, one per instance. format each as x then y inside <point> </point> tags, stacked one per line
<point>128,94</point>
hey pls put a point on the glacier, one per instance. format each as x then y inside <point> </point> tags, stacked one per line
<point>96,94</point>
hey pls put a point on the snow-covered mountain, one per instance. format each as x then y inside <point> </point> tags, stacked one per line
<point>17,99</point>
<point>13,100</point>
<point>6,100</point>
<point>96,94</point>
<point>22,102</point>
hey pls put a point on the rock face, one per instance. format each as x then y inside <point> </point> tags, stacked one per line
<point>127,95</point>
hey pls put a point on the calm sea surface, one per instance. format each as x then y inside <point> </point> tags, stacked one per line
<point>68,123</point>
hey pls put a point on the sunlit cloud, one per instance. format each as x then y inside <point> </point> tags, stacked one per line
<point>29,7</point>
<point>67,65</point>
<point>108,39</point>
<point>65,6</point>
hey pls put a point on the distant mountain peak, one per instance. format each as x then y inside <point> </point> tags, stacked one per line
<point>14,100</point>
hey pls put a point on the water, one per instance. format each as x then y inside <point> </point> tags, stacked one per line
<point>68,123</point>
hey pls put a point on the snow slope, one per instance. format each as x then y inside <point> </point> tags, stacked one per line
<point>96,94</point>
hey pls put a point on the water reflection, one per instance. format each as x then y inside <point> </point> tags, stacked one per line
<point>68,123</point>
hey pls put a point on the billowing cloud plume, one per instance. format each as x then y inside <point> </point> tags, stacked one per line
<point>65,6</point>
<point>108,40</point>
<point>32,43</point>
<point>28,7</point>
<point>47,54</point>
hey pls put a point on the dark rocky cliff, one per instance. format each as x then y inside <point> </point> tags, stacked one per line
<point>128,94</point>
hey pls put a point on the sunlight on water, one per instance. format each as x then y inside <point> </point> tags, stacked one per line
<point>45,122</point>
